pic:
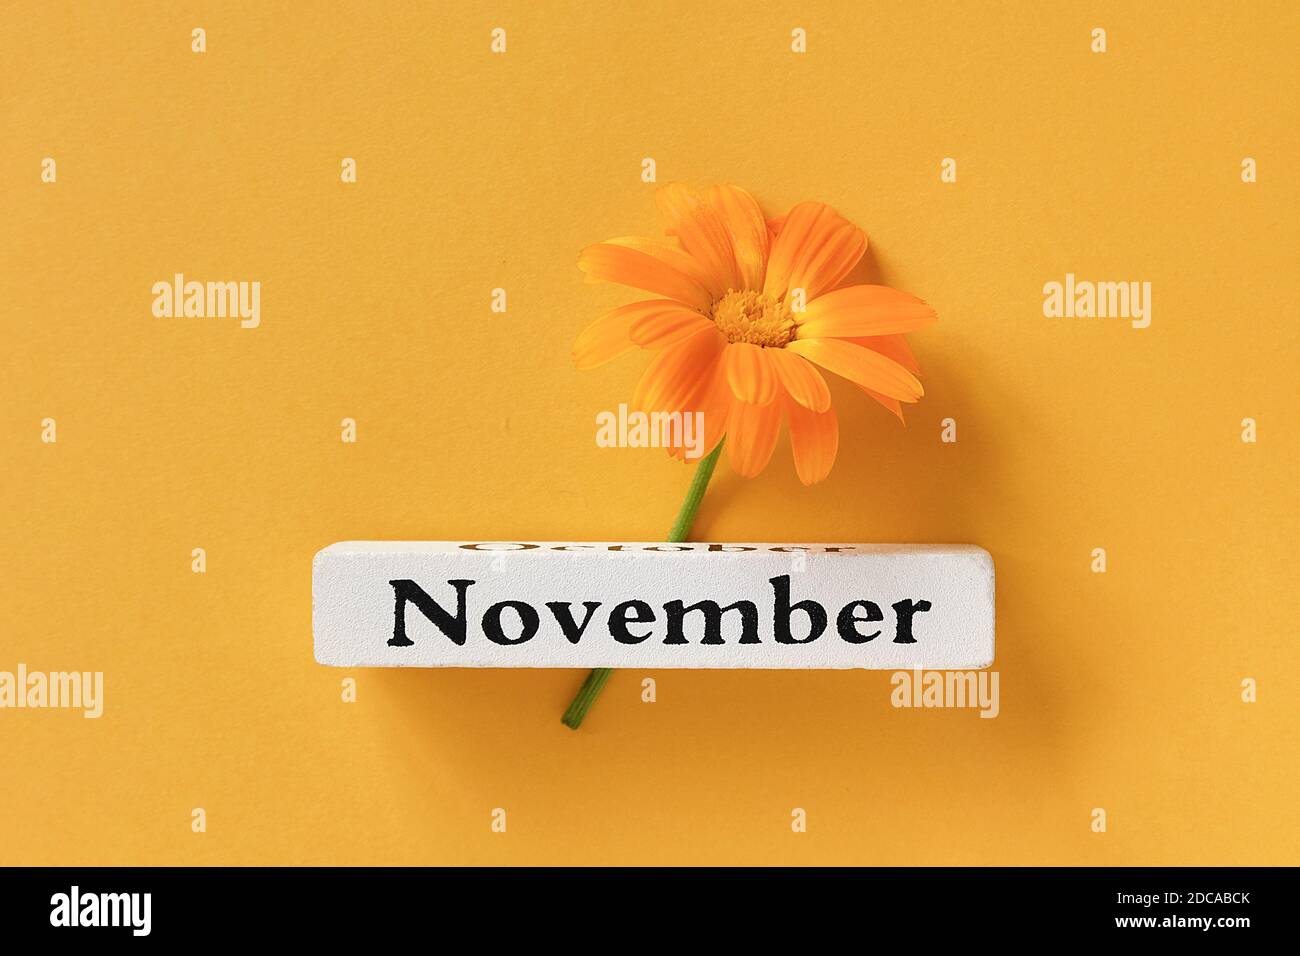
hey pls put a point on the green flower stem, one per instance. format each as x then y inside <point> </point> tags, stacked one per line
<point>595,681</point>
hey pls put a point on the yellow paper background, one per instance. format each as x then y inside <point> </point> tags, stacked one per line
<point>1119,690</point>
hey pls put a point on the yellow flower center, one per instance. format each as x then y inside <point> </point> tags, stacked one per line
<point>755,318</point>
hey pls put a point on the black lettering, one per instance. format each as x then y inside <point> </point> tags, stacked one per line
<point>406,590</point>
<point>564,617</point>
<point>905,610</point>
<point>848,620</point>
<point>781,614</point>
<point>527,617</point>
<point>712,621</point>
<point>621,616</point>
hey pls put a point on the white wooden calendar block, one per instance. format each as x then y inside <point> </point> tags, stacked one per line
<point>610,604</point>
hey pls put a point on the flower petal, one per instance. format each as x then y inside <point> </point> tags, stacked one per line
<point>607,338</point>
<point>676,374</point>
<point>814,251</point>
<point>669,322</point>
<point>861,366</point>
<point>891,346</point>
<point>672,253</point>
<point>749,233</point>
<point>829,264</point>
<point>700,229</point>
<point>861,310</point>
<point>650,266</point>
<point>749,373</point>
<point>789,244</point>
<point>713,402</point>
<point>814,441</point>
<point>893,404</point>
<point>800,379</point>
<point>896,348</point>
<point>751,436</point>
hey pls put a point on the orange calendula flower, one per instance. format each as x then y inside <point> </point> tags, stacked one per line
<point>748,314</point>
